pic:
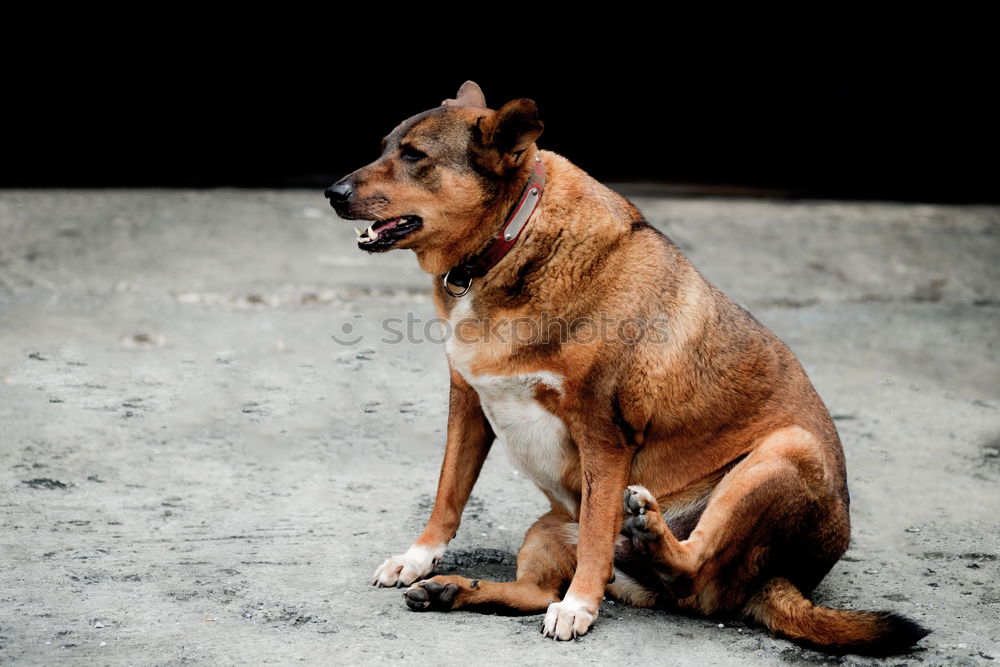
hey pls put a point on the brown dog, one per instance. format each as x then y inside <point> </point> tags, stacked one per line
<point>585,342</point>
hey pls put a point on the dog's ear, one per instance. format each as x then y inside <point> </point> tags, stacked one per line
<point>502,139</point>
<point>469,95</point>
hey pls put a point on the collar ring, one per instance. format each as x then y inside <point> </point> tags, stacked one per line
<point>462,290</point>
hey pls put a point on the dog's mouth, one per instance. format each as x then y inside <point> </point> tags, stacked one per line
<point>382,235</point>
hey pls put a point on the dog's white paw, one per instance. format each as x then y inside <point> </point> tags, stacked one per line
<point>403,570</point>
<point>569,619</point>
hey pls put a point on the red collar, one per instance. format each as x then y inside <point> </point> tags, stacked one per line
<point>458,280</point>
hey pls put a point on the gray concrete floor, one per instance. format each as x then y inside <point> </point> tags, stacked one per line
<point>193,470</point>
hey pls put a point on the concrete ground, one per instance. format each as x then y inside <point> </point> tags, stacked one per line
<point>193,470</point>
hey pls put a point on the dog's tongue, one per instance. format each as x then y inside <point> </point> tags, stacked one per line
<point>373,231</point>
<point>388,224</point>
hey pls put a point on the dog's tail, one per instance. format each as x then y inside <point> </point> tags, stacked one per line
<point>781,607</point>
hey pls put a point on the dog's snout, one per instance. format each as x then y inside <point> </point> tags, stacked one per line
<point>339,193</point>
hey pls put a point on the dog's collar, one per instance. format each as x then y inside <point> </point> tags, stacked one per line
<point>458,280</point>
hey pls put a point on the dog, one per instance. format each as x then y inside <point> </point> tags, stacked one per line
<point>688,460</point>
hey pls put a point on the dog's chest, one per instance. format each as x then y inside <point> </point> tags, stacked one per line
<point>536,441</point>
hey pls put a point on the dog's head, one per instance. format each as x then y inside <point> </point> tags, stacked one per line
<point>441,178</point>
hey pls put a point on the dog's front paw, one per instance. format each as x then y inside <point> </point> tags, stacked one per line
<point>403,570</point>
<point>569,619</point>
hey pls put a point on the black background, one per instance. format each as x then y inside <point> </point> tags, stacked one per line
<point>890,113</point>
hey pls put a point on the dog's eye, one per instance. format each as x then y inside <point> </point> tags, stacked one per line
<point>410,154</point>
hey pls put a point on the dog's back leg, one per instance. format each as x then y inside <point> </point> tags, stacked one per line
<point>777,512</point>
<point>545,565</point>
<point>772,529</point>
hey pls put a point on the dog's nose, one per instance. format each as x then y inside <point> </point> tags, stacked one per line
<point>339,193</point>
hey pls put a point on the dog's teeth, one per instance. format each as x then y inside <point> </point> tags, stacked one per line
<point>372,234</point>
<point>358,232</point>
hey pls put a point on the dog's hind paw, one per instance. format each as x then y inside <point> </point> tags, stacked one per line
<point>431,595</point>
<point>643,520</point>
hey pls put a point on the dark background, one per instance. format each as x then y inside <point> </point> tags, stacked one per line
<point>297,102</point>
